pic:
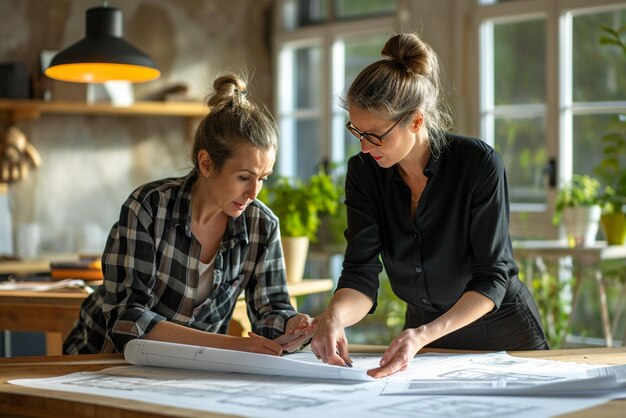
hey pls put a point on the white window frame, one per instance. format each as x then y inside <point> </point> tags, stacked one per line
<point>328,36</point>
<point>559,109</point>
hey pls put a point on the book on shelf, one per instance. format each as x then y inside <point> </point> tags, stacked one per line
<point>86,268</point>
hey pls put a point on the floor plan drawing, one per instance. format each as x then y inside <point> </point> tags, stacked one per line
<point>263,396</point>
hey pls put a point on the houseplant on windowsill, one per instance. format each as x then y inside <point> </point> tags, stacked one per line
<point>612,169</point>
<point>612,173</point>
<point>578,210</point>
<point>299,205</point>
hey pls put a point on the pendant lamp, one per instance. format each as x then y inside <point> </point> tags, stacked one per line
<point>103,55</point>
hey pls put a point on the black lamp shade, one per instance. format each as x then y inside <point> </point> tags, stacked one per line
<point>103,55</point>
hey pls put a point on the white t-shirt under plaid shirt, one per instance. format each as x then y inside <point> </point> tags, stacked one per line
<point>150,265</point>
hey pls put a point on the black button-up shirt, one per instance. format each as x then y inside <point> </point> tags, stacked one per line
<point>458,241</point>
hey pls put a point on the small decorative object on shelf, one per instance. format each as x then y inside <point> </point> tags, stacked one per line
<point>17,156</point>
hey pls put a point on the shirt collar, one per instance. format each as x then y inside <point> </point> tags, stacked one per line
<point>431,169</point>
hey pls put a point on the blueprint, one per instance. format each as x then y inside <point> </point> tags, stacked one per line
<point>467,374</point>
<point>501,374</point>
<point>287,397</point>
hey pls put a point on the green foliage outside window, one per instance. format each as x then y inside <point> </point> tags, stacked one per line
<point>612,168</point>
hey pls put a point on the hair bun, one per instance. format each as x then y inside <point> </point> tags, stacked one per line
<point>409,51</point>
<point>230,90</point>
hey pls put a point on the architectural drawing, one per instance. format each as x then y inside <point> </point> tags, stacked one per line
<point>467,408</point>
<point>285,397</point>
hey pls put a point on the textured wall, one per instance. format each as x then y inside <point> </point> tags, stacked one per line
<point>92,163</point>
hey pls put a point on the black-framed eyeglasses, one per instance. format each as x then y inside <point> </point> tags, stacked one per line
<point>371,137</point>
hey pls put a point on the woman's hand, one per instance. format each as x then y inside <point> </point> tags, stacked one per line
<point>257,344</point>
<point>329,342</point>
<point>400,352</point>
<point>298,321</point>
<point>298,332</point>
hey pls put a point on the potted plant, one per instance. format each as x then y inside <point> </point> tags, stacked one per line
<point>299,206</point>
<point>612,173</point>
<point>578,210</point>
<point>612,168</point>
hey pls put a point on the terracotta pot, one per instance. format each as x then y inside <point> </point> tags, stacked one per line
<point>295,250</point>
<point>614,226</point>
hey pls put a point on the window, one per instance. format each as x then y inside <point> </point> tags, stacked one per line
<point>321,45</point>
<point>598,89</point>
<point>514,102</point>
<point>548,90</point>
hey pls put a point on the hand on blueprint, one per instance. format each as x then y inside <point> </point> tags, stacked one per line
<point>257,344</point>
<point>295,339</point>
<point>400,352</point>
<point>329,342</point>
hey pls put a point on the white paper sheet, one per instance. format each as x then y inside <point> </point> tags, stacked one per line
<point>182,356</point>
<point>283,397</point>
<point>501,374</point>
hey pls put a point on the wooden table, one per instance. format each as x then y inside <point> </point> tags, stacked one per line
<point>16,401</point>
<point>55,312</point>
<point>587,259</point>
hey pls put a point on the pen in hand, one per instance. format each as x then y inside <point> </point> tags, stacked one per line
<point>348,364</point>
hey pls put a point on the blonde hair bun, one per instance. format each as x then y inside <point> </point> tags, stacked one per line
<point>230,90</point>
<point>410,51</point>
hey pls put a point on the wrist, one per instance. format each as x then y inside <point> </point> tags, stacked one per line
<point>332,314</point>
<point>426,334</point>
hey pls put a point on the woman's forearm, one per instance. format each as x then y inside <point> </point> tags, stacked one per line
<point>349,306</point>
<point>171,332</point>
<point>470,307</point>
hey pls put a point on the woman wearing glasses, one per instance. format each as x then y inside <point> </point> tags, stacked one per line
<point>432,208</point>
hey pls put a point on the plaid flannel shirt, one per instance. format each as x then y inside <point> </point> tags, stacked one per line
<point>150,265</point>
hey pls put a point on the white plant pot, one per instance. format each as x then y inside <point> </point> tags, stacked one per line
<point>581,225</point>
<point>295,250</point>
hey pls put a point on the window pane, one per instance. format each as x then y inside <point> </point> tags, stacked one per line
<point>308,148</point>
<point>297,13</point>
<point>360,53</point>
<point>307,82</point>
<point>357,54</point>
<point>587,148</point>
<point>598,70</point>
<point>519,62</point>
<point>360,8</point>
<point>522,145</point>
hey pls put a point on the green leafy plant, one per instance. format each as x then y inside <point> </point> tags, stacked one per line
<point>613,37</point>
<point>582,190</point>
<point>299,204</point>
<point>612,169</point>
<point>553,305</point>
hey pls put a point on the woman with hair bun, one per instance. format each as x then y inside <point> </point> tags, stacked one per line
<point>185,248</point>
<point>432,208</point>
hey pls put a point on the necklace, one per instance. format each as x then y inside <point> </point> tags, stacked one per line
<point>415,201</point>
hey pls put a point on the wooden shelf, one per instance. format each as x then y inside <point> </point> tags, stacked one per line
<point>32,109</point>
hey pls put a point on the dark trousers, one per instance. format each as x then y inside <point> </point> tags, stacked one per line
<point>515,326</point>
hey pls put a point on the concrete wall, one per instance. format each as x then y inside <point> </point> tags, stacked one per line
<point>92,163</point>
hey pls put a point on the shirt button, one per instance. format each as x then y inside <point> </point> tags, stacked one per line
<point>415,236</point>
<point>425,301</point>
<point>418,270</point>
